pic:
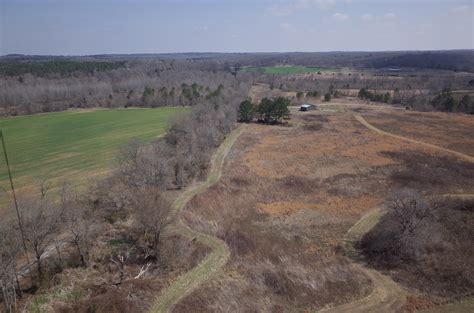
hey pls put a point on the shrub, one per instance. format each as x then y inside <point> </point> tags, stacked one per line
<point>327,97</point>
<point>445,102</point>
<point>466,104</point>
<point>313,94</point>
<point>424,240</point>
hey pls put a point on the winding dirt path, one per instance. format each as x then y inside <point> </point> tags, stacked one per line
<point>211,266</point>
<point>387,295</point>
<point>371,127</point>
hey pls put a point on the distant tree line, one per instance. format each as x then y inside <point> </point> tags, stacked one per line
<point>140,83</point>
<point>157,81</point>
<point>61,67</point>
<point>461,60</point>
<point>312,94</point>
<point>364,93</point>
<point>416,90</point>
<point>330,93</point>
<point>441,60</point>
<point>446,101</point>
<point>269,111</point>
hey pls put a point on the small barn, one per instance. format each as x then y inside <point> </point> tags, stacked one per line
<point>307,107</point>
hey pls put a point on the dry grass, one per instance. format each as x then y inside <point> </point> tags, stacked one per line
<point>287,197</point>
<point>259,91</point>
<point>452,131</point>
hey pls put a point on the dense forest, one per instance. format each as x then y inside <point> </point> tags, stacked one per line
<point>139,83</point>
<point>62,67</point>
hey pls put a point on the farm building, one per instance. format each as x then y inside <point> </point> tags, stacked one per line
<point>307,107</point>
<point>394,69</point>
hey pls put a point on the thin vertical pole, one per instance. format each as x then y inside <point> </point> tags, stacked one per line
<point>20,224</point>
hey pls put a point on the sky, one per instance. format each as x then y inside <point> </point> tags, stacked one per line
<point>84,27</point>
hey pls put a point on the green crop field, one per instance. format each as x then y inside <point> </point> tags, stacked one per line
<point>287,69</point>
<point>74,145</point>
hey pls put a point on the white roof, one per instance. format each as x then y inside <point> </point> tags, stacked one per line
<point>306,105</point>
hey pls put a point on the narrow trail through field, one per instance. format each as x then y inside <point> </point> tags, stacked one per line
<point>211,266</point>
<point>371,127</point>
<point>387,295</point>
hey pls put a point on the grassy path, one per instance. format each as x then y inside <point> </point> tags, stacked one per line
<point>387,295</point>
<point>211,266</point>
<point>371,127</point>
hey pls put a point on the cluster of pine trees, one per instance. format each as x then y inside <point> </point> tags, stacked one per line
<point>364,93</point>
<point>269,111</point>
<point>445,101</point>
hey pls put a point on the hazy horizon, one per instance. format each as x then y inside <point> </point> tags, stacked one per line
<point>229,52</point>
<point>85,27</point>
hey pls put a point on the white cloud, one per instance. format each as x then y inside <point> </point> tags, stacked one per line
<point>287,27</point>
<point>340,16</point>
<point>201,28</point>
<point>277,10</point>
<point>379,18</point>
<point>298,5</point>
<point>367,17</point>
<point>461,9</point>
<point>324,3</point>
<point>389,16</point>
<point>422,29</point>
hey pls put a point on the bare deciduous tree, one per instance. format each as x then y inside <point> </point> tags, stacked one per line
<point>9,248</point>
<point>80,229</point>
<point>120,265</point>
<point>41,222</point>
<point>411,209</point>
<point>128,160</point>
<point>77,222</point>
<point>153,215</point>
<point>44,186</point>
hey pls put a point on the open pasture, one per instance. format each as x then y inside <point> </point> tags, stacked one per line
<point>287,69</point>
<point>75,144</point>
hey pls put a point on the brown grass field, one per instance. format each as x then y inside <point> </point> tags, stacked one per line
<point>289,194</point>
